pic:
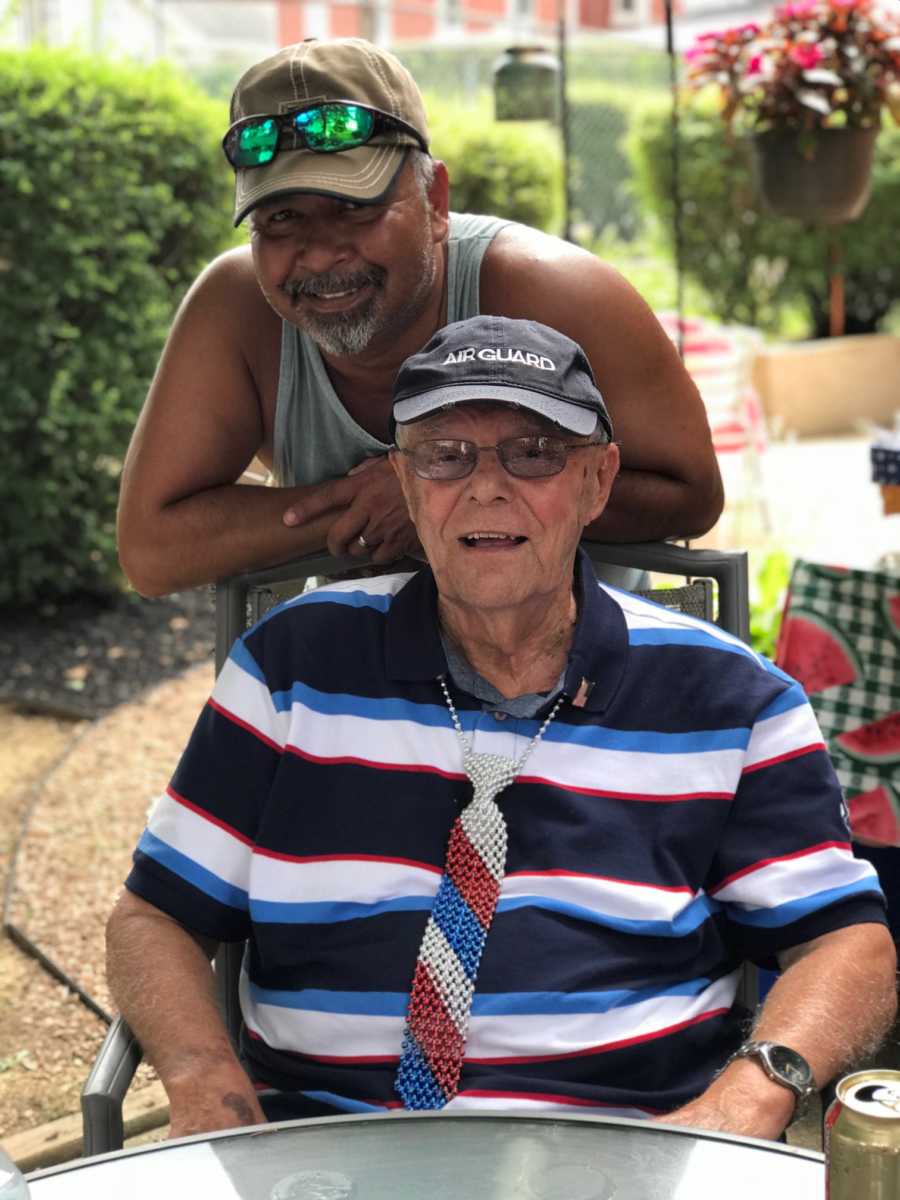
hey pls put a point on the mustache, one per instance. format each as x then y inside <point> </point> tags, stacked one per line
<point>331,281</point>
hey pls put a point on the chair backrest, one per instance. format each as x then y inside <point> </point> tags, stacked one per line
<point>243,599</point>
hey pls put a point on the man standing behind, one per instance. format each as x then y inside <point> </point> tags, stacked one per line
<point>498,836</point>
<point>288,349</point>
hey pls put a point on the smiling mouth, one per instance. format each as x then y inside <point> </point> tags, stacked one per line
<point>492,541</point>
<point>333,289</point>
<point>336,299</point>
<point>337,295</point>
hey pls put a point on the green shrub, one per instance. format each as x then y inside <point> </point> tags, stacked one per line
<point>509,169</point>
<point>755,267</point>
<point>113,193</point>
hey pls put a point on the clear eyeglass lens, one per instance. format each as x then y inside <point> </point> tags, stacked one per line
<point>525,457</point>
<point>533,457</point>
<point>445,459</point>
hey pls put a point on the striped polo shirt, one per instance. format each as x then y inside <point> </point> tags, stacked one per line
<point>684,818</point>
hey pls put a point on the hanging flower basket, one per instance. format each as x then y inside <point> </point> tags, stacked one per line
<point>811,86</point>
<point>820,175</point>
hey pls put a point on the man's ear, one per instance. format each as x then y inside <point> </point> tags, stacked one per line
<point>439,201</point>
<point>400,465</point>
<point>607,470</point>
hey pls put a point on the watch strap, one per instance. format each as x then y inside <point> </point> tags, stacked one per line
<point>760,1052</point>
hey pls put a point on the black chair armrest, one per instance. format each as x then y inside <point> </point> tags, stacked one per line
<point>104,1091</point>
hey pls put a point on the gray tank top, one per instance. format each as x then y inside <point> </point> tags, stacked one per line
<point>315,438</point>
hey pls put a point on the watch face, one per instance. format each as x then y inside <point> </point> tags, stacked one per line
<point>790,1065</point>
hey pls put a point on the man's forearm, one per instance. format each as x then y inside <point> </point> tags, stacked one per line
<point>833,1004</point>
<point>162,982</point>
<point>214,534</point>
<point>645,506</point>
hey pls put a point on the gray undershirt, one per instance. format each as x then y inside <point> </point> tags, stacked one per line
<point>468,680</point>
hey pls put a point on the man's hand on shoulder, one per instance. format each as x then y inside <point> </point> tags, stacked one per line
<point>373,507</point>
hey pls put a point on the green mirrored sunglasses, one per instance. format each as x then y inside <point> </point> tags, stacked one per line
<point>325,128</point>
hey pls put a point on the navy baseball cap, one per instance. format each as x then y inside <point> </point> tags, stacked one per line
<point>520,363</point>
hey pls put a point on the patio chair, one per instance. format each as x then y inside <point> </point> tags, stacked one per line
<point>241,600</point>
<point>719,358</point>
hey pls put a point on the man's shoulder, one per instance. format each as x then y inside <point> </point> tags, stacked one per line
<point>536,275</point>
<point>230,276</point>
<point>332,601</point>
<point>650,622</point>
<point>226,299</point>
<point>332,637</point>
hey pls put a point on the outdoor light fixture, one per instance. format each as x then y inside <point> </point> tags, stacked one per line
<point>530,85</point>
<point>526,85</point>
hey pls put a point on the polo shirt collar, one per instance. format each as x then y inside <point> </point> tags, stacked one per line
<point>597,659</point>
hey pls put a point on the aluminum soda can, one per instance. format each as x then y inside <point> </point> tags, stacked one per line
<point>862,1137</point>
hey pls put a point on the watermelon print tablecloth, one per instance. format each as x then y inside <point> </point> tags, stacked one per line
<point>840,637</point>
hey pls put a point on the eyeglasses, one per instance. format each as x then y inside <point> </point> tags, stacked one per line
<point>532,457</point>
<point>325,128</point>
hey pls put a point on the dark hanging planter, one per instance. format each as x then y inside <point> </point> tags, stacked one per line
<point>821,175</point>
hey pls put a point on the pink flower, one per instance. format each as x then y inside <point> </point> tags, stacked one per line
<point>754,66</point>
<point>806,57</point>
<point>789,12</point>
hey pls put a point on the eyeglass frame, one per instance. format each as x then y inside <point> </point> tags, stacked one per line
<point>284,122</point>
<point>567,446</point>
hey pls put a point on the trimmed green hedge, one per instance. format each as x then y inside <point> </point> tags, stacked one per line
<point>510,169</point>
<point>113,194</point>
<point>754,266</point>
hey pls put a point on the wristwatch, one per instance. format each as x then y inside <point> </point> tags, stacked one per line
<point>782,1065</point>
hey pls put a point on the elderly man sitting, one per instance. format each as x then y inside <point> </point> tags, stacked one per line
<point>499,836</point>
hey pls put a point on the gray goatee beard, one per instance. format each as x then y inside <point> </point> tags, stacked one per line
<point>340,333</point>
<point>347,333</point>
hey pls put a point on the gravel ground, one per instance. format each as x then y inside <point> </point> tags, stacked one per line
<point>83,658</point>
<point>136,674</point>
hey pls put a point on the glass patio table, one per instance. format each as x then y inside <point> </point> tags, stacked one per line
<point>438,1157</point>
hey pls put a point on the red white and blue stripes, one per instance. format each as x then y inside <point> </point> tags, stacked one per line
<point>441,996</point>
<point>685,819</point>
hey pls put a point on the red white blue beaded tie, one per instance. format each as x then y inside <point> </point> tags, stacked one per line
<point>437,1019</point>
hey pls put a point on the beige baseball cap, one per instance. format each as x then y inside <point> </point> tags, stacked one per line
<point>319,70</point>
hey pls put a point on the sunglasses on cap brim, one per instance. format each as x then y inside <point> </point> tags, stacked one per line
<point>325,128</point>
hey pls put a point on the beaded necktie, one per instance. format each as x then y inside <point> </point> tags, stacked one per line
<point>437,1019</point>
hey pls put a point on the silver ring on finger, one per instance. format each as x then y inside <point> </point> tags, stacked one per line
<point>362,542</point>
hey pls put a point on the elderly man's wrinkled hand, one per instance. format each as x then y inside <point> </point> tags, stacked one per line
<point>743,1101</point>
<point>374,522</point>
